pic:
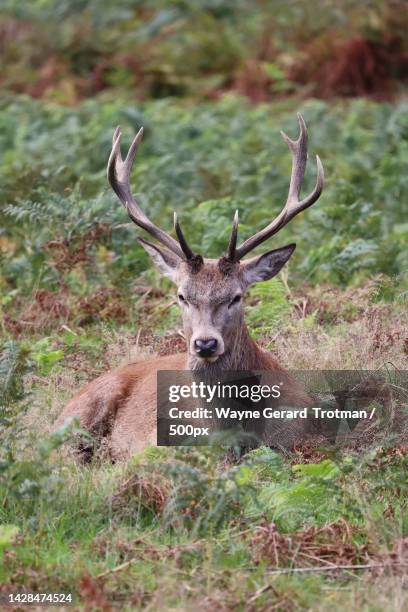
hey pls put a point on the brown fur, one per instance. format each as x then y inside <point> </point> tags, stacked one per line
<point>121,405</point>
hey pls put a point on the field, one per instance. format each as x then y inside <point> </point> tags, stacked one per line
<point>184,529</point>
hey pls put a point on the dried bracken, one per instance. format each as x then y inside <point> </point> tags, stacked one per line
<point>147,491</point>
<point>350,332</point>
<point>65,254</point>
<point>92,594</point>
<point>333,544</point>
<point>307,453</point>
<point>355,67</point>
<point>102,304</point>
<point>46,309</point>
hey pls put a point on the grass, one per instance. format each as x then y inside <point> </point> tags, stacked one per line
<point>138,563</point>
<point>143,564</point>
<point>126,537</point>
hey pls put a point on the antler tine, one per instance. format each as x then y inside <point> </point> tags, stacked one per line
<point>299,159</point>
<point>183,242</point>
<point>118,172</point>
<point>293,205</point>
<point>233,239</point>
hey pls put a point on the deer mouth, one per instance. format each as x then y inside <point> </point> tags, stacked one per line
<point>210,359</point>
<point>206,358</point>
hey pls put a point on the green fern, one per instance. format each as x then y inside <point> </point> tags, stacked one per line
<point>269,307</point>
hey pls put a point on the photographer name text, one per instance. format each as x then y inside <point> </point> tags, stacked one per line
<point>269,413</point>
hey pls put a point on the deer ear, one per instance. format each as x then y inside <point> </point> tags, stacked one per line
<point>166,261</point>
<point>264,267</point>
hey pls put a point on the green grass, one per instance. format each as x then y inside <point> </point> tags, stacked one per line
<point>141,560</point>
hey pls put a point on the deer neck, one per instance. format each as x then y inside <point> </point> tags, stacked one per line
<point>243,354</point>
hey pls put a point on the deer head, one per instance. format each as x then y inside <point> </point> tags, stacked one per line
<point>210,291</point>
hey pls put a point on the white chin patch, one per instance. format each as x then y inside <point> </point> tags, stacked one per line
<point>210,359</point>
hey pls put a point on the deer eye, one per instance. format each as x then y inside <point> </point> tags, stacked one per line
<point>181,297</point>
<point>236,300</point>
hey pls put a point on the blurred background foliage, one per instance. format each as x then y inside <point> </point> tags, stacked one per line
<point>66,50</point>
<point>212,82</point>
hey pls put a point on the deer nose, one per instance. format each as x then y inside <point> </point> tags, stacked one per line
<point>205,348</point>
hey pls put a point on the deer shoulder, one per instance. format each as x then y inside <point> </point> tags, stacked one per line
<point>121,405</point>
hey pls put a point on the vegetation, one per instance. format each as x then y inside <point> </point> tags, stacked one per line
<point>184,528</point>
<point>67,50</point>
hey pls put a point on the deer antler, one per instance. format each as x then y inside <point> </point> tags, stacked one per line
<point>118,172</point>
<point>293,205</point>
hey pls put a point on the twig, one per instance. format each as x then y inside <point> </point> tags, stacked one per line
<point>325,568</point>
<point>120,225</point>
<point>139,331</point>
<point>261,591</point>
<point>118,568</point>
<point>68,329</point>
<point>146,294</point>
<point>41,379</point>
<point>168,305</point>
<point>329,563</point>
<point>126,564</point>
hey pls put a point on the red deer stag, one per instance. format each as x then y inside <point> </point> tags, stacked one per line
<point>121,405</point>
